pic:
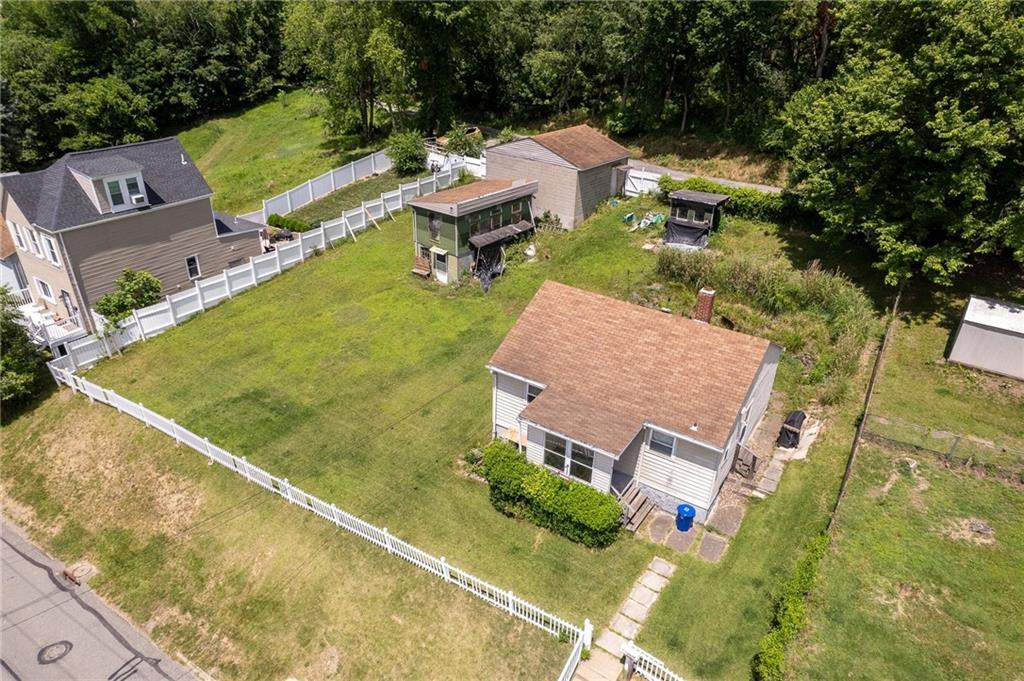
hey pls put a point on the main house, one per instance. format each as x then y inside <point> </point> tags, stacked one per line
<point>575,169</point>
<point>616,395</point>
<point>92,214</point>
<point>458,227</point>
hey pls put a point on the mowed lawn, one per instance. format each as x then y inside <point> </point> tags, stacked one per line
<point>239,582</point>
<point>260,152</point>
<point>365,386</point>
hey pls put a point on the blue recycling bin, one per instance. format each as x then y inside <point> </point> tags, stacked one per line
<point>684,517</point>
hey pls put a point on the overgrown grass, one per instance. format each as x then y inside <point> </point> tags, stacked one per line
<point>240,582</point>
<point>348,197</point>
<point>265,150</point>
<point>703,154</point>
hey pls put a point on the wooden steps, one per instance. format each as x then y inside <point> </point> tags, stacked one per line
<point>636,506</point>
<point>421,266</point>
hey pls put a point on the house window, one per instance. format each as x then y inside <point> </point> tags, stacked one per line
<point>662,442</point>
<point>434,225</point>
<point>34,243</point>
<point>441,263</point>
<point>192,265</point>
<point>424,252</point>
<point>474,224</point>
<point>691,215</point>
<point>116,195</point>
<point>495,218</point>
<point>532,391</point>
<point>581,466</point>
<point>51,250</point>
<point>45,292</point>
<point>554,451</point>
<point>19,236</point>
<point>133,186</point>
<point>517,212</point>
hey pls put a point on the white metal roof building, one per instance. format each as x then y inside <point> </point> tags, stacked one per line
<point>991,337</point>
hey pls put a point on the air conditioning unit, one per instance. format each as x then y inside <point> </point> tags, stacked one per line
<point>138,199</point>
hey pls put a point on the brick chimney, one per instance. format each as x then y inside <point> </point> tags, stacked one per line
<point>705,305</point>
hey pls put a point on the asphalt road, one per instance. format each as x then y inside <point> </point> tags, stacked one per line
<point>54,630</point>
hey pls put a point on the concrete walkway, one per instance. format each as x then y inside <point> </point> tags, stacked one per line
<point>605,663</point>
<point>53,629</point>
<point>684,175</point>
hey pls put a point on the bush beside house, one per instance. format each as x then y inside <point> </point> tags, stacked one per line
<point>291,224</point>
<point>744,202</point>
<point>134,289</point>
<point>572,509</point>
<point>407,152</point>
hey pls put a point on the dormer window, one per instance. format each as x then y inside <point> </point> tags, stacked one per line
<point>125,192</point>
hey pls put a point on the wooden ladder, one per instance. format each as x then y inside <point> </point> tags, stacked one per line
<point>636,506</point>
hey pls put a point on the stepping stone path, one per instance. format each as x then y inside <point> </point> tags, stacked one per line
<point>605,663</point>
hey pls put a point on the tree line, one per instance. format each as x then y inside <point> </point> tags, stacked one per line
<point>903,122</point>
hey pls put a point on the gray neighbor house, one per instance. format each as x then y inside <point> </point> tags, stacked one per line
<point>79,223</point>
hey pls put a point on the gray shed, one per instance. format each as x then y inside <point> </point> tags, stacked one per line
<point>991,337</point>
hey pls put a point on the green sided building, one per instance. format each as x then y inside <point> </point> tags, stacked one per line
<point>458,230</point>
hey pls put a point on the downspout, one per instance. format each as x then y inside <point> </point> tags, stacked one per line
<point>82,307</point>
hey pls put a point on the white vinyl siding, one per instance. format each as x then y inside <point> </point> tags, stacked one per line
<point>509,401</point>
<point>688,473</point>
<point>601,478</point>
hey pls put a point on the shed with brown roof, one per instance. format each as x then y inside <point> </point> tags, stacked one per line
<point>612,393</point>
<point>574,167</point>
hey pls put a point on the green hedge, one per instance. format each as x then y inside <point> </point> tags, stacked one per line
<point>744,202</point>
<point>570,508</point>
<point>788,614</point>
<point>282,222</point>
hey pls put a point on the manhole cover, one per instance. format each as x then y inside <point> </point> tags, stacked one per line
<point>53,652</point>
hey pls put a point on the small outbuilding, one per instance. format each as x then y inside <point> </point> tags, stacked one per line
<point>693,215</point>
<point>575,169</point>
<point>991,337</point>
<point>455,229</point>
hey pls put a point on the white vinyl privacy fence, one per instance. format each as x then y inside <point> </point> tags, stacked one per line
<point>640,181</point>
<point>178,307</point>
<point>502,599</point>
<point>320,186</point>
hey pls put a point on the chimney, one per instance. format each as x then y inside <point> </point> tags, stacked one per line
<point>705,305</point>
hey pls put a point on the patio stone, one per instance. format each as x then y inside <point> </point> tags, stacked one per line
<point>611,642</point>
<point>635,611</point>
<point>661,525</point>
<point>652,581</point>
<point>727,519</point>
<point>712,547</point>
<point>642,595</point>
<point>602,666</point>
<point>624,626</point>
<point>660,566</point>
<point>681,541</point>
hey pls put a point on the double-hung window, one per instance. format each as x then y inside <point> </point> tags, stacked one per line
<point>50,249</point>
<point>19,236</point>
<point>662,443</point>
<point>554,451</point>
<point>532,392</point>
<point>33,241</point>
<point>44,290</point>
<point>517,212</point>
<point>192,265</point>
<point>581,466</point>
<point>120,191</point>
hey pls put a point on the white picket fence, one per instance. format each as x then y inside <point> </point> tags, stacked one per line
<point>648,666</point>
<point>176,308</point>
<point>502,599</point>
<point>320,186</point>
<point>569,669</point>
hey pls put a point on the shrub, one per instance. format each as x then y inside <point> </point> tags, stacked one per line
<point>22,364</point>
<point>549,220</point>
<point>743,201</point>
<point>285,222</point>
<point>462,143</point>
<point>572,509</point>
<point>407,152</point>
<point>788,613</point>
<point>507,135</point>
<point>133,289</point>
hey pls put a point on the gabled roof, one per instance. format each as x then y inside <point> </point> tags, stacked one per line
<point>54,200</point>
<point>474,196</point>
<point>610,367</point>
<point>582,146</point>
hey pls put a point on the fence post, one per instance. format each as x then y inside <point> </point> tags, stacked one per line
<point>227,283</point>
<point>445,572</point>
<point>334,185</point>
<point>265,216</point>
<point>952,450</point>
<point>245,468</point>
<point>209,451</point>
<point>174,433</point>
<point>277,257</point>
<point>285,487</point>
<point>511,599</point>
<point>142,413</point>
<point>199,294</point>
<point>142,331</point>
<point>110,400</point>
<point>302,249</point>
<point>588,634</point>
<point>170,309</point>
<point>252,266</point>
<point>373,164</point>
<point>309,183</point>
<point>387,541</point>
<point>288,198</point>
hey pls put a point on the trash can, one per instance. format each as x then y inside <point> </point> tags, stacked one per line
<point>684,517</point>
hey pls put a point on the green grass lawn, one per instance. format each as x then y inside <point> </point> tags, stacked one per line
<point>242,583</point>
<point>263,151</point>
<point>348,197</point>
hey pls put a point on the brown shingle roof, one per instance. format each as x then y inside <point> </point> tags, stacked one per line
<point>465,192</point>
<point>610,366</point>
<point>582,146</point>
